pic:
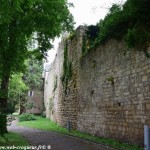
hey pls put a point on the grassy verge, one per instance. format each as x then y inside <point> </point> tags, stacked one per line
<point>46,124</point>
<point>12,139</point>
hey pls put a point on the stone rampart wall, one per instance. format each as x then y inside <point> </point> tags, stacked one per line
<point>108,94</point>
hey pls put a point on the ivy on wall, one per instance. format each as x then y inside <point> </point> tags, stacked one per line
<point>30,105</point>
<point>67,69</point>
<point>89,38</point>
<point>51,103</point>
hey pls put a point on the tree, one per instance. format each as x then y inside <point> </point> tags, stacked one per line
<point>19,84</point>
<point>33,75</point>
<point>16,92</point>
<point>19,21</point>
<point>33,79</point>
<point>138,34</point>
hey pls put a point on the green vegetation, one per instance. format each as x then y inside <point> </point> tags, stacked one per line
<point>129,22</point>
<point>26,117</point>
<point>23,21</point>
<point>110,79</point>
<point>89,38</point>
<point>46,124</point>
<point>51,103</point>
<point>67,69</point>
<point>20,83</point>
<point>32,76</point>
<point>71,35</point>
<point>16,92</point>
<point>12,139</point>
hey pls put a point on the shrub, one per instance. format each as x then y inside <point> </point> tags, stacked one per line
<point>26,117</point>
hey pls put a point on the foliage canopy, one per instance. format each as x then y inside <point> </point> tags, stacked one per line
<point>20,20</point>
<point>17,90</point>
<point>130,22</point>
<point>33,75</point>
<point>19,84</point>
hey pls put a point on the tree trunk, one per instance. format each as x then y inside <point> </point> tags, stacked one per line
<point>22,109</point>
<point>3,104</point>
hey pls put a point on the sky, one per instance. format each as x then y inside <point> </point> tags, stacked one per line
<point>86,12</point>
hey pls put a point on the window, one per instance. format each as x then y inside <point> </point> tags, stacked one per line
<point>30,93</point>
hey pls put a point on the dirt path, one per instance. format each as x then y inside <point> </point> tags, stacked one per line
<point>54,141</point>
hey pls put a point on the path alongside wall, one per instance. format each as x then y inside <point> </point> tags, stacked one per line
<point>108,94</point>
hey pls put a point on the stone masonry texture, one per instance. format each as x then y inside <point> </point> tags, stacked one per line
<point>108,94</point>
<point>35,104</point>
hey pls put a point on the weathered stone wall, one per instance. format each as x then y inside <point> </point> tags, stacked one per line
<point>52,87</point>
<point>108,94</point>
<point>114,92</point>
<point>62,103</point>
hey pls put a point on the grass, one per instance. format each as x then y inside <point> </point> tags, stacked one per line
<point>11,139</point>
<point>46,124</point>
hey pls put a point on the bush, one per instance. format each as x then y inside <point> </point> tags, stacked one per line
<point>26,117</point>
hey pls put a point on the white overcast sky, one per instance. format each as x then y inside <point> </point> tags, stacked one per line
<point>86,12</point>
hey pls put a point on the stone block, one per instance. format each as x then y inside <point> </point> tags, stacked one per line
<point>144,78</point>
<point>147,106</point>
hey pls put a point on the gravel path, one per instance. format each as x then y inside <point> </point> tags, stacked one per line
<point>54,141</point>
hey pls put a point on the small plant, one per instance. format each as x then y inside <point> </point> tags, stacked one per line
<point>30,105</point>
<point>71,36</point>
<point>26,117</point>
<point>111,79</point>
